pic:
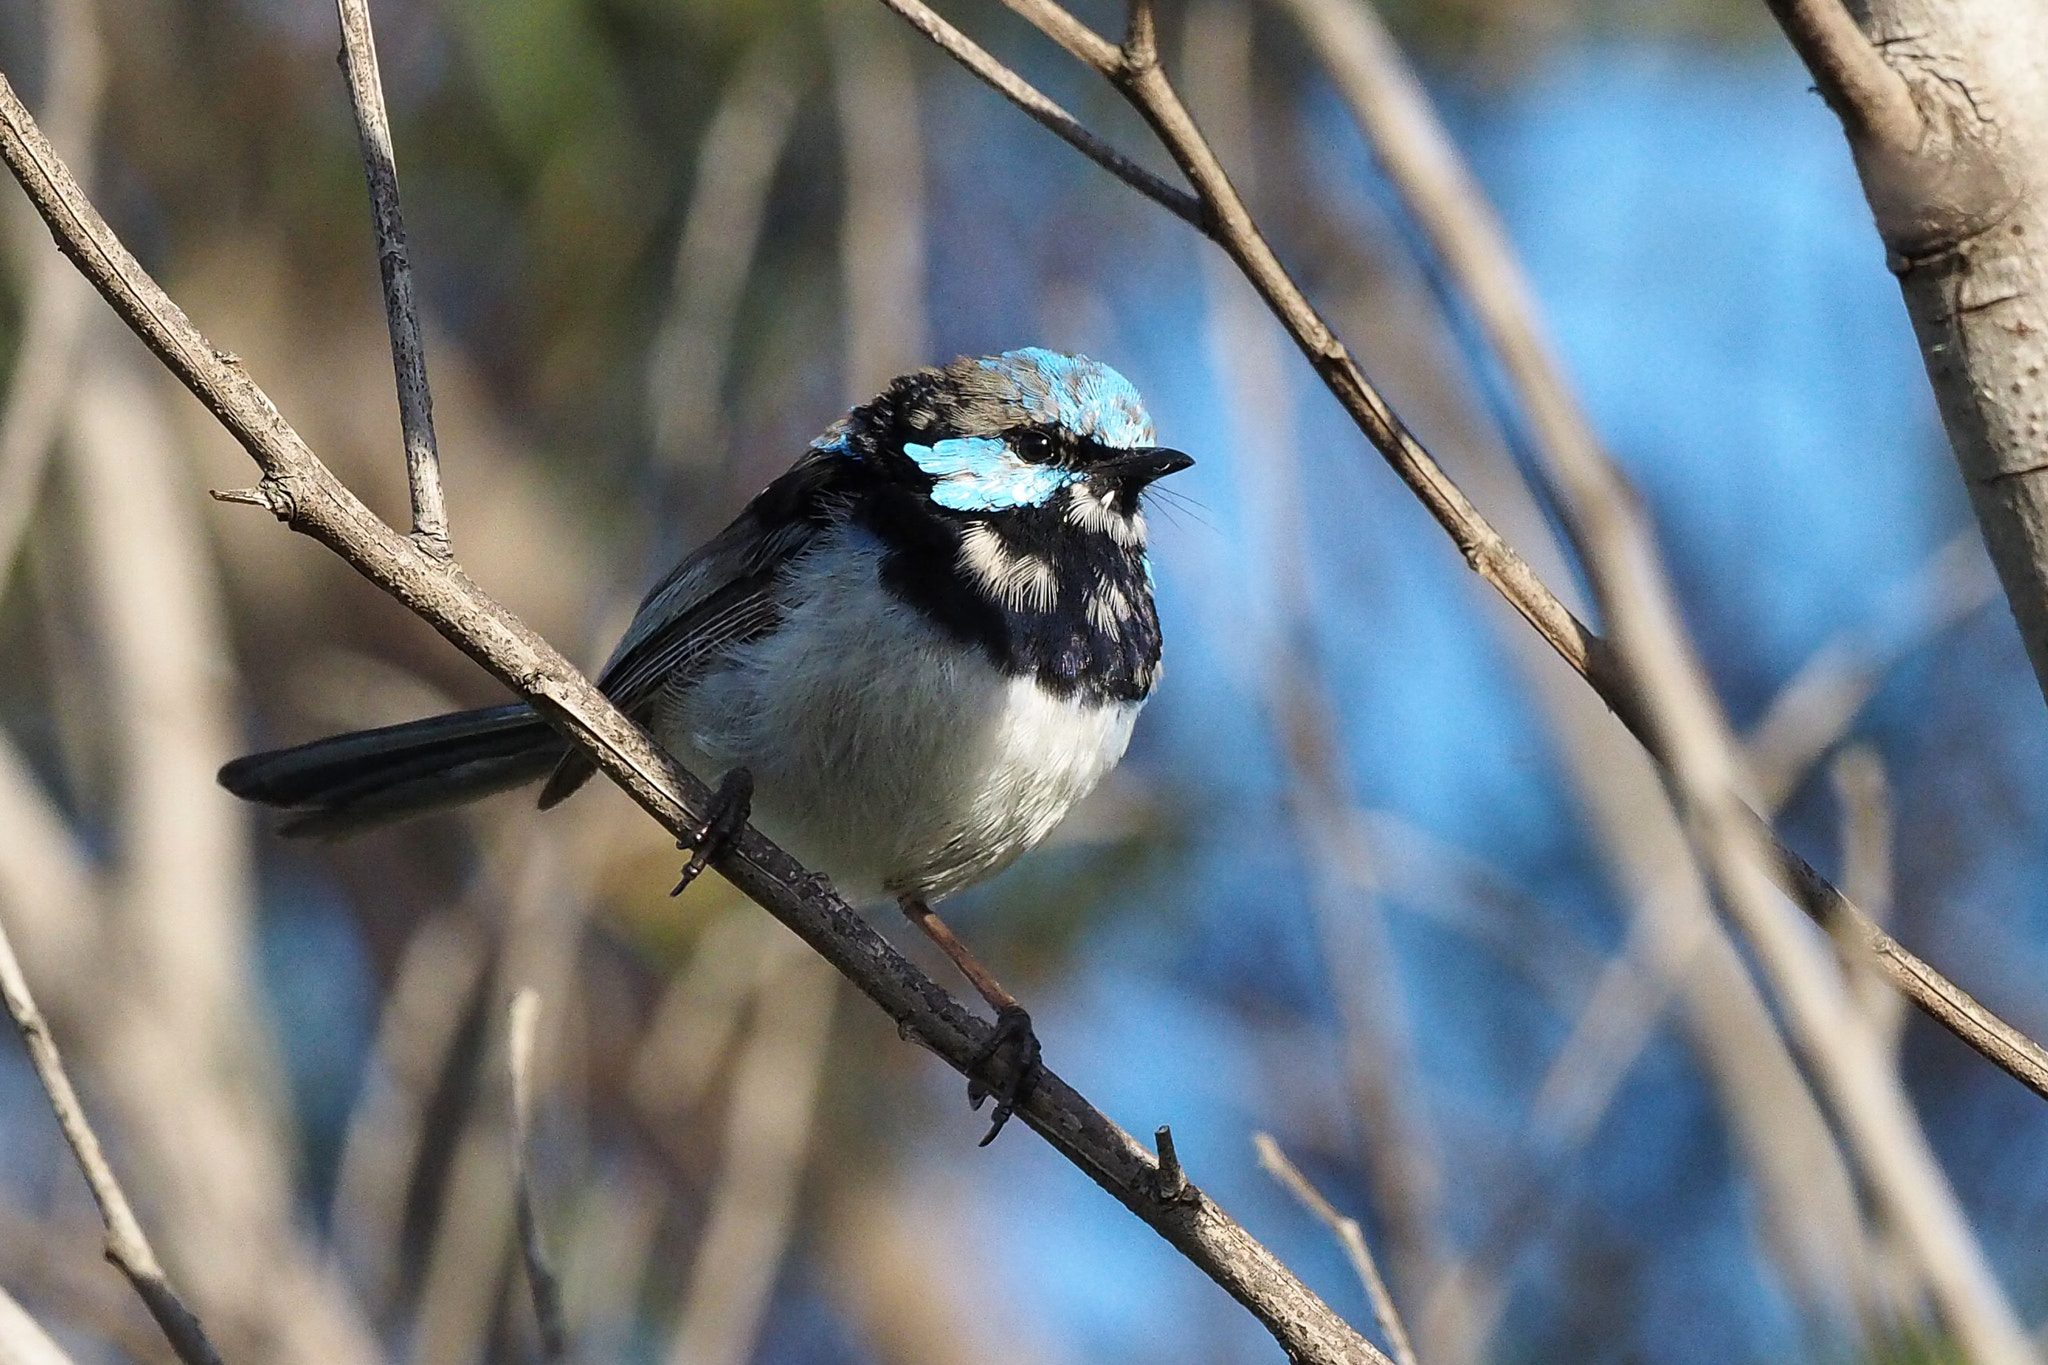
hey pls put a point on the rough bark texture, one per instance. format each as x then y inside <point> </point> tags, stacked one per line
<point>1962,206</point>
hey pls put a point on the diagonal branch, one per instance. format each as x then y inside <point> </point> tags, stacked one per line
<point>401,306</point>
<point>306,495</point>
<point>1350,1234</point>
<point>1027,97</point>
<point>1226,220</point>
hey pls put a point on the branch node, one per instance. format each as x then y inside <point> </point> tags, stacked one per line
<point>1173,1181</point>
<point>1140,51</point>
<point>267,495</point>
<point>433,544</point>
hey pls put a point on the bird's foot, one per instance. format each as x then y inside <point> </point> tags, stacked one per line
<point>730,806</point>
<point>1011,1057</point>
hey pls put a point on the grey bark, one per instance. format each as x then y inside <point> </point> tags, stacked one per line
<point>1945,106</point>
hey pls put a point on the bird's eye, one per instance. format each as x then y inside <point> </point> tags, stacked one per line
<point>1032,445</point>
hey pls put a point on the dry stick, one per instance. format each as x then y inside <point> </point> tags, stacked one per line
<point>1806,718</point>
<point>127,1247</point>
<point>1224,219</point>
<point>302,492</point>
<point>1350,1234</point>
<point>1701,762</point>
<point>547,1290</point>
<point>401,307</point>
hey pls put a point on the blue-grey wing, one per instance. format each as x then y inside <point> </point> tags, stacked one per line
<point>722,595</point>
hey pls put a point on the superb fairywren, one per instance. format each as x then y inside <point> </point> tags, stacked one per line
<point>911,654</point>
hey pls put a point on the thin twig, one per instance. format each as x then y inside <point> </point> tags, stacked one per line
<point>882,226</point>
<point>431,991</point>
<point>1027,97</point>
<point>1350,1234</point>
<point>304,492</point>
<point>1872,100</point>
<point>523,1015</point>
<point>401,307</point>
<point>127,1246</point>
<point>1225,219</point>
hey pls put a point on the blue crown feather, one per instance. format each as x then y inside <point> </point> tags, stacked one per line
<point>1084,396</point>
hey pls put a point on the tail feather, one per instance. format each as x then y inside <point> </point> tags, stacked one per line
<point>370,777</point>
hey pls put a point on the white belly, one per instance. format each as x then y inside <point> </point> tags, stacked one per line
<point>884,754</point>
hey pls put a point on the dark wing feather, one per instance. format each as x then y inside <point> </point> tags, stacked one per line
<point>721,595</point>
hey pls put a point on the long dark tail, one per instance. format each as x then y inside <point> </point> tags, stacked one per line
<point>370,777</point>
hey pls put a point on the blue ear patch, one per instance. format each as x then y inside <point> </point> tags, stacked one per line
<point>982,474</point>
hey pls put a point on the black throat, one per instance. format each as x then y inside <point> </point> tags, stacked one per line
<point>1094,634</point>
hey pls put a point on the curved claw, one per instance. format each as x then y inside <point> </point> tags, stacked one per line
<point>1013,1047</point>
<point>730,806</point>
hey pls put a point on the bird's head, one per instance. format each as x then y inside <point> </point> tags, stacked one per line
<point>1029,429</point>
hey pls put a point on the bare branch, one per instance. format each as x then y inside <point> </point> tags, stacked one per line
<point>1226,220</point>
<point>1389,1111</point>
<point>127,1246</point>
<point>1349,1234</point>
<point>434,986</point>
<point>881,231</point>
<point>1027,97</point>
<point>401,307</point>
<point>306,494</point>
<point>1870,98</point>
<point>1082,42</point>
<point>1809,714</point>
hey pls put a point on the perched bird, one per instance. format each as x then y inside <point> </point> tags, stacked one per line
<point>910,655</point>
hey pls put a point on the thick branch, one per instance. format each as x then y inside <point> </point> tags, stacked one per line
<point>401,308</point>
<point>1948,124</point>
<point>305,494</point>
